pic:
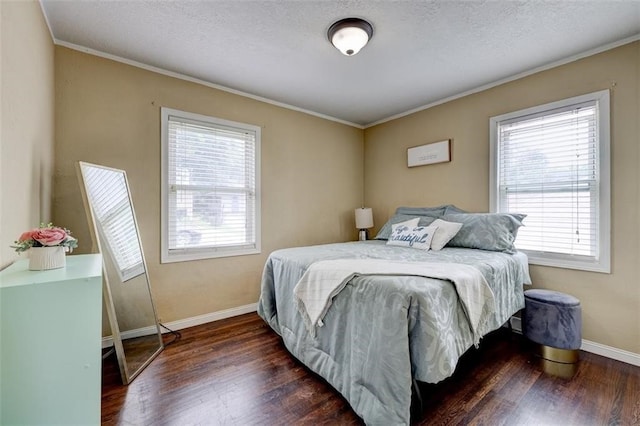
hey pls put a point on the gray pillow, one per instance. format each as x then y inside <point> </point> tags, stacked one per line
<point>451,209</point>
<point>385,231</point>
<point>486,231</point>
<point>422,211</point>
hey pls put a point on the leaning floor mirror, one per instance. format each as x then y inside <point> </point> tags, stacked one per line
<point>137,338</point>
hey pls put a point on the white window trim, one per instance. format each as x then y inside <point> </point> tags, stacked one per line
<point>603,261</point>
<point>208,253</point>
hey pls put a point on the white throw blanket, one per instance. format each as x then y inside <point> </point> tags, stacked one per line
<point>323,280</point>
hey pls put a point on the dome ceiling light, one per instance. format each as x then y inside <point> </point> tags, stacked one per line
<point>349,35</point>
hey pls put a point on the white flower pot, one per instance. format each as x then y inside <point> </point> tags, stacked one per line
<point>43,258</point>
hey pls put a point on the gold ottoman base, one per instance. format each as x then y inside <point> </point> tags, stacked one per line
<point>558,369</point>
<point>565,356</point>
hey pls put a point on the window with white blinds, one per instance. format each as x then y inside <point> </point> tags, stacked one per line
<point>552,163</point>
<point>210,187</point>
<point>111,207</point>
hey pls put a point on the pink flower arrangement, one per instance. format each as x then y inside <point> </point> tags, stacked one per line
<point>46,236</point>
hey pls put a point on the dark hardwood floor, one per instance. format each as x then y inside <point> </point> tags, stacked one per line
<point>237,372</point>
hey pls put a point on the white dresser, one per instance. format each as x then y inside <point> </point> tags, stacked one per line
<point>50,343</point>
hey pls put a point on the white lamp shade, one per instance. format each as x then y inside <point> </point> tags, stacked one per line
<point>350,40</point>
<point>364,218</point>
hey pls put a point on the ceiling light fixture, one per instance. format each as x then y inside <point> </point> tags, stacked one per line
<point>349,35</point>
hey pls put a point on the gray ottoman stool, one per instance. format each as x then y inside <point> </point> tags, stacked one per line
<point>554,321</point>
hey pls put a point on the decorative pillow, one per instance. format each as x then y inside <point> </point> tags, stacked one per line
<point>411,223</point>
<point>386,229</point>
<point>418,237</point>
<point>445,232</point>
<point>486,231</point>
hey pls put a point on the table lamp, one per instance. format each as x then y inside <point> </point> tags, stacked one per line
<point>364,220</point>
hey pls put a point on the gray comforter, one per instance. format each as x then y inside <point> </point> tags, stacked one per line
<point>383,331</point>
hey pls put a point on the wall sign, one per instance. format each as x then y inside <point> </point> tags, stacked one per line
<point>437,152</point>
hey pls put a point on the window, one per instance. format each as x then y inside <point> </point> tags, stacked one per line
<point>552,163</point>
<point>210,187</point>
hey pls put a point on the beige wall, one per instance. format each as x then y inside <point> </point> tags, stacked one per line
<point>26,123</point>
<point>610,302</point>
<point>109,113</point>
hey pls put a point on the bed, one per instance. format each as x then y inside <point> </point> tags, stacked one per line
<point>382,331</point>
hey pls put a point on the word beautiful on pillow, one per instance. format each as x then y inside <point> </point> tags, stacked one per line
<point>418,237</point>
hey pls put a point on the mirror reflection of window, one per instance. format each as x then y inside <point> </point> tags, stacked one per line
<point>114,220</point>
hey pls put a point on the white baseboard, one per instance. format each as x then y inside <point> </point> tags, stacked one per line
<point>107,341</point>
<point>611,352</point>
<point>593,347</point>
<point>213,316</point>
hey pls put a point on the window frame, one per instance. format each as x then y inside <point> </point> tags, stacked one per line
<point>199,253</point>
<point>602,261</point>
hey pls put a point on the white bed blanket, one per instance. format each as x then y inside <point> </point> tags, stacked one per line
<point>323,280</point>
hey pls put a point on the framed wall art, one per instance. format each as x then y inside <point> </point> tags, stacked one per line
<point>431,153</point>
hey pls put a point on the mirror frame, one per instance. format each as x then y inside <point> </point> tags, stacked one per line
<point>126,375</point>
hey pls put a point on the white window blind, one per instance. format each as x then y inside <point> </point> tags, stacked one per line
<point>549,165</point>
<point>210,183</point>
<point>114,219</point>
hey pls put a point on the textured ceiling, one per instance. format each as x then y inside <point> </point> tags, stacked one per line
<point>421,51</point>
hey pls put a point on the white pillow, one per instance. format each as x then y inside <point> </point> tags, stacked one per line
<point>411,223</point>
<point>418,237</point>
<point>445,232</point>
